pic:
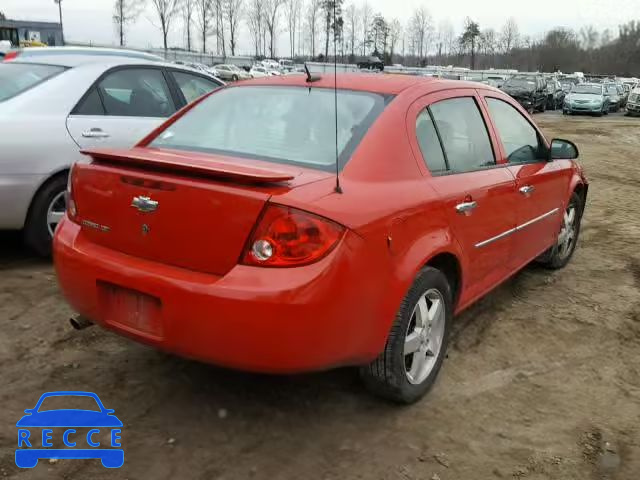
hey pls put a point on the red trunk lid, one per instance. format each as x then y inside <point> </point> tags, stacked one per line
<point>190,210</point>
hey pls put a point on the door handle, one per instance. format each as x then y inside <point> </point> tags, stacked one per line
<point>466,208</point>
<point>95,133</point>
<point>527,189</point>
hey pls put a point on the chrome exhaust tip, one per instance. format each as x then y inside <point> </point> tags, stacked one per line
<point>80,323</point>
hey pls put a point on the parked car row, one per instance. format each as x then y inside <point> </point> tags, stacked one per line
<point>538,92</point>
<point>56,101</point>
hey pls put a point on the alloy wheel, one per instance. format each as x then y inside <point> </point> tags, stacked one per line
<point>424,336</point>
<point>567,236</point>
<point>55,212</point>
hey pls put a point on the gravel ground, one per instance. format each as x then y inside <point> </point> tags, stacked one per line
<point>542,379</point>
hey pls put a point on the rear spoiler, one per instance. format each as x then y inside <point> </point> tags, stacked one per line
<point>188,162</point>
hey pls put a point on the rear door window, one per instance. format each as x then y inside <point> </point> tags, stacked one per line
<point>193,86</point>
<point>90,104</point>
<point>136,92</point>
<point>16,77</point>
<point>430,143</point>
<point>463,133</point>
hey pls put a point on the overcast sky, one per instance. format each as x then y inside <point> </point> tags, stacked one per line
<point>91,20</point>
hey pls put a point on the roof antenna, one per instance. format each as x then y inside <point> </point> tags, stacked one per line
<point>338,188</point>
<point>310,78</point>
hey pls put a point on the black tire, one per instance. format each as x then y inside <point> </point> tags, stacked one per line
<point>387,375</point>
<point>557,257</point>
<point>36,230</point>
<point>234,78</point>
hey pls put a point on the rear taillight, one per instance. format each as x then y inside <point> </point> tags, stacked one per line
<point>10,56</point>
<point>288,237</point>
<point>72,209</point>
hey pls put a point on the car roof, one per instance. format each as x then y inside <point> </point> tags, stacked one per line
<point>72,61</point>
<point>63,52</point>
<point>386,84</point>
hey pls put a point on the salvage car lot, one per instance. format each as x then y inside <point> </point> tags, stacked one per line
<point>541,373</point>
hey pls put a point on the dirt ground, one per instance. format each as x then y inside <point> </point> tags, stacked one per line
<point>542,379</point>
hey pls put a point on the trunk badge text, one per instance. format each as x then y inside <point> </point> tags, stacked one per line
<point>95,226</point>
<point>144,204</point>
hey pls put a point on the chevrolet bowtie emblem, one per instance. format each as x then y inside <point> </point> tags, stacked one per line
<point>144,204</point>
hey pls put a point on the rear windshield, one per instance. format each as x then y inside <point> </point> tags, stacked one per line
<point>280,124</point>
<point>15,78</point>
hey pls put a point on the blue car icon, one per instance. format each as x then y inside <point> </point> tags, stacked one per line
<point>29,452</point>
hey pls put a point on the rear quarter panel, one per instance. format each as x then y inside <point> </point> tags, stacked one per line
<point>388,201</point>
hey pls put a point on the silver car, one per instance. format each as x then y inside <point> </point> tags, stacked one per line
<point>51,106</point>
<point>232,73</point>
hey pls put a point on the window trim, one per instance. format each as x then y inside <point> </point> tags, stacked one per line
<point>449,170</point>
<point>541,139</point>
<point>176,104</point>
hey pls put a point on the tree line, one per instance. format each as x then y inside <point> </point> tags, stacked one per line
<point>356,30</point>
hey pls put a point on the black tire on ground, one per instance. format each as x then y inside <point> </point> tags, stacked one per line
<point>543,107</point>
<point>234,78</point>
<point>36,231</point>
<point>387,376</point>
<point>556,257</point>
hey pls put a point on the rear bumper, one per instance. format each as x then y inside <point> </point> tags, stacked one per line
<point>259,319</point>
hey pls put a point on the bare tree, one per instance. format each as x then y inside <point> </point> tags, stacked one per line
<point>488,41</point>
<point>395,32</point>
<point>331,23</point>
<point>313,13</point>
<point>510,36</point>
<point>255,22</point>
<point>366,13</point>
<point>188,9</point>
<point>447,37</point>
<point>203,19</point>
<point>272,18</point>
<point>166,11</point>
<point>589,37</point>
<point>124,13</point>
<point>352,22</point>
<point>232,13</point>
<point>421,30</point>
<point>292,13</point>
<point>217,9</point>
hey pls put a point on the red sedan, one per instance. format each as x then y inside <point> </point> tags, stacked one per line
<point>227,236</point>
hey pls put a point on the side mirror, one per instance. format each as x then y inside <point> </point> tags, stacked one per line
<point>562,150</point>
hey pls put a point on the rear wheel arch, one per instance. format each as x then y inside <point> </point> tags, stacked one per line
<point>450,266</point>
<point>60,173</point>
<point>37,231</point>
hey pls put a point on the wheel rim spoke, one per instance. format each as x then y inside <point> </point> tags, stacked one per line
<point>425,336</point>
<point>54,217</point>
<point>412,343</point>
<point>422,312</point>
<point>55,212</point>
